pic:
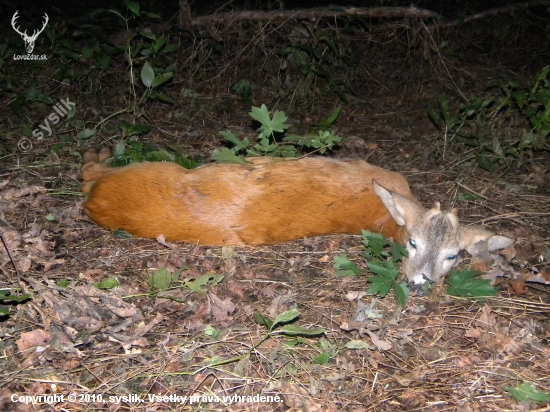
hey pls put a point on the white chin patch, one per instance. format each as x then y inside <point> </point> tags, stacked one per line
<point>417,280</point>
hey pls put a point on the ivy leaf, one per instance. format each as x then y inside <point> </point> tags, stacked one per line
<point>465,283</point>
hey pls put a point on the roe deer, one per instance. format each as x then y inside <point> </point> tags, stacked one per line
<point>269,201</point>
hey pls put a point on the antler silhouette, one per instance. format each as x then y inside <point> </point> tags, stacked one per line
<point>29,40</point>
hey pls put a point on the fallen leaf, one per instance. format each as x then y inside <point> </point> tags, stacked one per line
<point>32,338</point>
<point>379,343</point>
<point>509,253</point>
<point>473,333</point>
<point>519,286</point>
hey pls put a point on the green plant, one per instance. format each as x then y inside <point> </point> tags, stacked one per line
<point>127,151</point>
<point>381,255</point>
<point>266,143</point>
<point>499,128</point>
<point>527,391</point>
<point>282,325</point>
<point>466,284</point>
<point>6,296</point>
<point>310,57</point>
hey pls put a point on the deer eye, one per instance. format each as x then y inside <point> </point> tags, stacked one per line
<point>412,243</point>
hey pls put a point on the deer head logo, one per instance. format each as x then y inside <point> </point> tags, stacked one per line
<point>29,40</point>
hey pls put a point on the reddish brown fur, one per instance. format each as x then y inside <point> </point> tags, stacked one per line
<point>265,202</point>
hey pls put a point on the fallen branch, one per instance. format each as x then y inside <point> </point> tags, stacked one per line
<point>303,14</point>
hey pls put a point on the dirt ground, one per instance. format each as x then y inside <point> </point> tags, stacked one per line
<point>131,348</point>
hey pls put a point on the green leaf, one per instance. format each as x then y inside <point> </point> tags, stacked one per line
<point>160,279</point>
<point>526,391</point>
<point>163,97</point>
<point>444,107</point>
<point>401,293</point>
<point>199,284</point>
<point>322,358</point>
<point>233,138</point>
<point>86,134</point>
<point>171,48</point>
<point>375,243</point>
<point>209,330</point>
<point>134,129</point>
<point>434,117</point>
<point>331,118</point>
<point>380,285</point>
<point>269,126</point>
<point>465,283</point>
<point>262,320</point>
<point>108,283</point>
<point>293,330</point>
<point>383,268</point>
<point>519,98</point>
<point>485,162</point>
<point>62,283</point>
<point>398,252</point>
<point>147,75</point>
<point>358,344</point>
<point>6,296</point>
<point>226,155</point>
<point>286,316</point>
<point>163,78</point>
<point>133,7</point>
<point>345,266</point>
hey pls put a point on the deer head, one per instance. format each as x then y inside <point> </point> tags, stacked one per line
<point>435,237</point>
<point>29,40</point>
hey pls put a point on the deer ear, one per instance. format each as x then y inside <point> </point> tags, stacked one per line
<point>402,209</point>
<point>476,240</point>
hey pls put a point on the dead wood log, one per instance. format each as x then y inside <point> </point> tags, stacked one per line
<point>315,13</point>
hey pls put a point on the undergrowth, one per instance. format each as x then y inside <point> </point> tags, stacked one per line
<point>502,130</point>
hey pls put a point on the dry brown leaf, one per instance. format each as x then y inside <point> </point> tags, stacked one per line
<point>379,343</point>
<point>32,338</point>
<point>519,286</point>
<point>463,362</point>
<point>509,253</point>
<point>473,333</point>
<point>221,309</point>
<point>479,264</point>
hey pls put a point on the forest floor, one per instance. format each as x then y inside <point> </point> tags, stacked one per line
<point>134,348</point>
